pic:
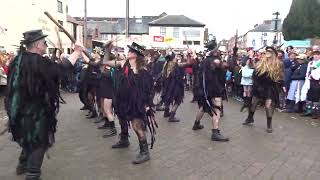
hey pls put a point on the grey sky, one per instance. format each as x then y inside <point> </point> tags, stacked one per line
<point>222,17</point>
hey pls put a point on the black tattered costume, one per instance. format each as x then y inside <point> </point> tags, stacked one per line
<point>208,85</point>
<point>266,89</point>
<point>32,103</point>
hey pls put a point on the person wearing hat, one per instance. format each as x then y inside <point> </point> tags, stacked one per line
<point>173,85</point>
<point>33,100</point>
<point>133,99</point>
<point>290,65</point>
<point>210,89</point>
<point>267,83</point>
<point>297,81</point>
<point>155,68</point>
<point>311,90</point>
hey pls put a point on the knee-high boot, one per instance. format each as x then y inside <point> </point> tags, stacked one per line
<point>144,154</point>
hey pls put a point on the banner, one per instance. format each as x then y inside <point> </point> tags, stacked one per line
<point>158,39</point>
<point>168,39</point>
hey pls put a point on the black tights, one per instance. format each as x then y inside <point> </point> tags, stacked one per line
<point>137,125</point>
<point>269,107</point>
<point>174,107</point>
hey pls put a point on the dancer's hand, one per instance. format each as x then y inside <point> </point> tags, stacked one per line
<point>78,46</point>
<point>147,109</point>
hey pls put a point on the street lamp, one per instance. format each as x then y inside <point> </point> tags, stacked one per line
<point>275,41</point>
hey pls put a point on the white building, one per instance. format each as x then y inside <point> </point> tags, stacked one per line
<point>262,35</point>
<point>177,32</point>
<point>25,15</point>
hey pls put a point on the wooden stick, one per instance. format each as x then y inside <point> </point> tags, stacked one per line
<point>64,31</point>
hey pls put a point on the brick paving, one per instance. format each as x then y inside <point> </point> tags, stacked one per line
<point>80,153</point>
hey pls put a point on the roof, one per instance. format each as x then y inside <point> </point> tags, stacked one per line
<point>267,26</point>
<point>176,21</point>
<point>117,25</point>
<point>73,20</point>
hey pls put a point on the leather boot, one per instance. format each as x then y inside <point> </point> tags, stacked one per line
<point>217,136</point>
<point>21,169</point>
<point>106,124</point>
<point>290,107</point>
<point>93,115</point>
<point>99,119</point>
<point>300,107</point>
<point>22,166</point>
<point>315,112</point>
<point>197,126</point>
<point>246,103</point>
<point>166,113</point>
<point>249,120</point>
<point>269,125</point>
<point>112,131</point>
<point>172,117</point>
<point>123,143</point>
<point>144,154</point>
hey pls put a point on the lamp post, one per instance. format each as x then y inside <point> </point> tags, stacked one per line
<point>275,41</point>
<point>85,28</point>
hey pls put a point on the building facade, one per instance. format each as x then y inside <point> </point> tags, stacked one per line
<point>263,35</point>
<point>29,15</point>
<point>163,31</point>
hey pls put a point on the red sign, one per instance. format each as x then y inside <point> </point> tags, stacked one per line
<point>158,38</point>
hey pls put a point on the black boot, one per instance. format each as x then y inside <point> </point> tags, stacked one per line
<point>290,107</point>
<point>144,154</point>
<point>315,112</point>
<point>197,126</point>
<point>249,120</point>
<point>172,117</point>
<point>112,131</point>
<point>245,103</point>
<point>123,143</point>
<point>21,169</point>
<point>99,119</point>
<point>300,107</point>
<point>106,124</point>
<point>216,136</point>
<point>22,166</point>
<point>166,113</point>
<point>269,125</point>
<point>93,115</point>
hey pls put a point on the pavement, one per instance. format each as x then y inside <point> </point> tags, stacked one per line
<point>80,153</point>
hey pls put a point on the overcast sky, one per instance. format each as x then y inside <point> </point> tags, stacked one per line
<point>222,17</point>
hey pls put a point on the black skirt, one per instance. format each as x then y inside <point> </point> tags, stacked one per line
<point>314,91</point>
<point>105,88</point>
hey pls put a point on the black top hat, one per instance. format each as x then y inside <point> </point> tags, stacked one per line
<point>136,48</point>
<point>272,50</point>
<point>32,36</point>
